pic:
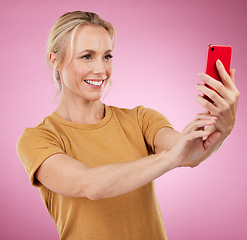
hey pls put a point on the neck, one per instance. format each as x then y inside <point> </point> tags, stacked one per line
<point>81,111</point>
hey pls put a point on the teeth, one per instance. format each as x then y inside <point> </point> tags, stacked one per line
<point>95,83</point>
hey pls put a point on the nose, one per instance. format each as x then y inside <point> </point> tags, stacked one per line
<point>99,67</point>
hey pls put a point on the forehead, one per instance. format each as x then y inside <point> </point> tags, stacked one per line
<point>92,37</point>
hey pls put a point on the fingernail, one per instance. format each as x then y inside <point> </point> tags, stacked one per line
<point>205,133</point>
<point>218,62</point>
<point>201,76</point>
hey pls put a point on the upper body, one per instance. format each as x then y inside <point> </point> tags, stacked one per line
<point>82,64</point>
<point>123,135</point>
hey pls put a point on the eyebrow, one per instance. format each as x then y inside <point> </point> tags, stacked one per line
<point>92,51</point>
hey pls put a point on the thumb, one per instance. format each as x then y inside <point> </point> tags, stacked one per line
<point>211,140</point>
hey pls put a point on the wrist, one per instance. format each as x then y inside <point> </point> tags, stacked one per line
<point>169,159</point>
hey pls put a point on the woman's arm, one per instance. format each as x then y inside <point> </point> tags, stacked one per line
<point>65,175</point>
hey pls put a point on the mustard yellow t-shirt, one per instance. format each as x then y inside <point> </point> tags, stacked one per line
<point>122,135</point>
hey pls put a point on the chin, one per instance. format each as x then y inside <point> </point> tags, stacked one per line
<point>94,98</point>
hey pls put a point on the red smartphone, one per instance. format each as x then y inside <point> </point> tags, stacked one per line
<point>215,52</point>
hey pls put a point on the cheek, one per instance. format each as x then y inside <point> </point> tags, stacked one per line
<point>74,75</point>
<point>109,70</point>
<point>80,70</point>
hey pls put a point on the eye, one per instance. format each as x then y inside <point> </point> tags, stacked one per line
<point>108,57</point>
<point>87,57</point>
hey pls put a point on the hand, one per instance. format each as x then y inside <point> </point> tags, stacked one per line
<point>191,147</point>
<point>225,98</point>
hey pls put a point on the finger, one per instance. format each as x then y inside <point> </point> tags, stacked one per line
<point>205,112</point>
<point>204,116</point>
<point>214,84</point>
<point>225,77</point>
<point>198,125</point>
<point>211,140</point>
<point>196,134</point>
<point>213,95</point>
<point>208,105</point>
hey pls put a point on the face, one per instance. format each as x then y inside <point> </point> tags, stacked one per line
<point>84,76</point>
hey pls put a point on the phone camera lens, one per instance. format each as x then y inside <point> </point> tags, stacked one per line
<point>212,48</point>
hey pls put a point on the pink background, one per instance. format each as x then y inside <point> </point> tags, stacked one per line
<point>161,47</point>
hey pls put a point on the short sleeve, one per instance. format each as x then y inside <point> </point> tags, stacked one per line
<point>34,147</point>
<point>151,122</point>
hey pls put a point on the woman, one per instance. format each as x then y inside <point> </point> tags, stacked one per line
<point>95,164</point>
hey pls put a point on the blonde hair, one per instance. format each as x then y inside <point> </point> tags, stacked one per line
<point>66,26</point>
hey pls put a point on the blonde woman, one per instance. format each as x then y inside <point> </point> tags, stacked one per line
<point>95,164</point>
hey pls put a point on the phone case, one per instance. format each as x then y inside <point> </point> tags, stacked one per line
<point>215,52</point>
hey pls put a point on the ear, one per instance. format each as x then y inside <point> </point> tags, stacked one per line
<point>53,58</point>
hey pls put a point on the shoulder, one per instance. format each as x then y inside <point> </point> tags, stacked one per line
<point>128,114</point>
<point>37,144</point>
<point>45,131</point>
<point>129,111</point>
<point>145,117</point>
<point>140,112</point>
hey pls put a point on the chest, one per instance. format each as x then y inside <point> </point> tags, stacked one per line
<point>112,143</point>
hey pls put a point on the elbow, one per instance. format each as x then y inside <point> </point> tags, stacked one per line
<point>89,192</point>
<point>92,189</point>
<point>93,193</point>
<point>94,196</point>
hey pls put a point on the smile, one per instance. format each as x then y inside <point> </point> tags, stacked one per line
<point>94,82</point>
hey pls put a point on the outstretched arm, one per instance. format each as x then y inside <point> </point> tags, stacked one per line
<point>65,175</point>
